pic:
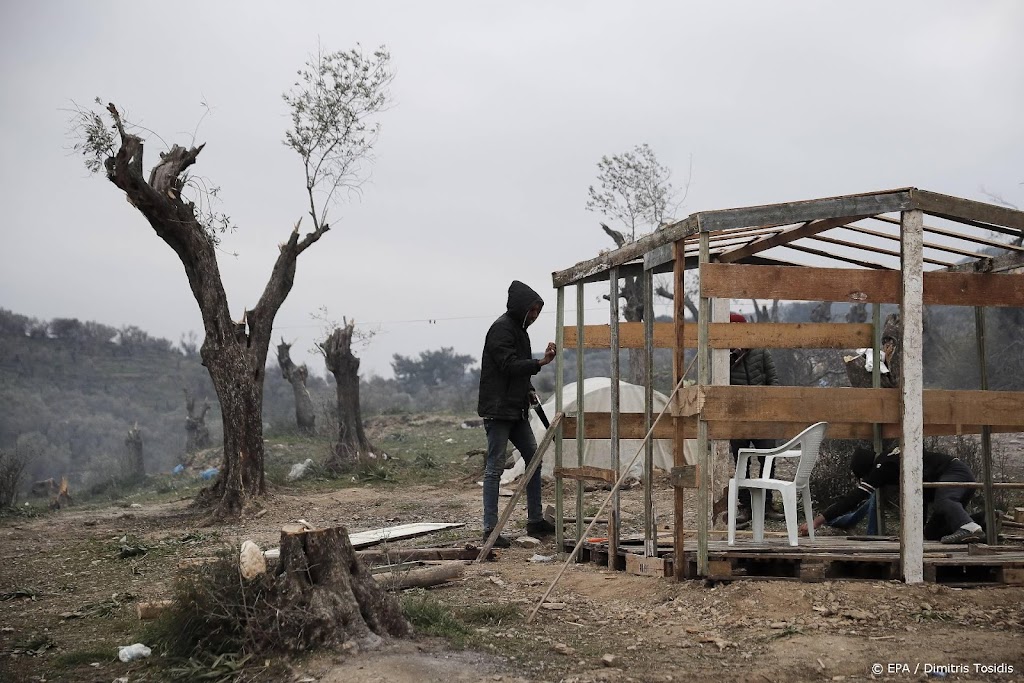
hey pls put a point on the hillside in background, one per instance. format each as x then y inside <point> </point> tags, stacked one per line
<point>70,390</point>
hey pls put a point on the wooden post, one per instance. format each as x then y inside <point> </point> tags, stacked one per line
<point>580,408</point>
<point>876,382</point>
<point>703,446</point>
<point>911,395</point>
<point>720,451</point>
<point>559,400</point>
<point>650,525</point>
<point>991,537</point>
<point>679,442</point>
<point>613,522</point>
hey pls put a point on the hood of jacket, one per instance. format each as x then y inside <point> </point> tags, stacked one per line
<point>520,298</point>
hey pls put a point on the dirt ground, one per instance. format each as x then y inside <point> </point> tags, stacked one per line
<point>69,602</point>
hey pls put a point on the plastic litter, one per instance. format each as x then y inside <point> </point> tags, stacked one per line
<point>542,558</point>
<point>300,469</point>
<point>127,653</point>
<point>209,474</point>
<point>178,469</point>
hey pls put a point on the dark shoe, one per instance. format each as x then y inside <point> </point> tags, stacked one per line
<point>499,542</point>
<point>742,516</point>
<point>962,535</point>
<point>541,528</point>
<point>773,515</point>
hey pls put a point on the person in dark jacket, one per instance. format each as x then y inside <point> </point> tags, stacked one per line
<point>751,367</point>
<point>948,520</point>
<point>506,392</point>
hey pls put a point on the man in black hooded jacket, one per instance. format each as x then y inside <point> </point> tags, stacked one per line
<point>506,391</point>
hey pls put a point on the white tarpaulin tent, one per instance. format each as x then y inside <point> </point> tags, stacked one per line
<point>597,398</point>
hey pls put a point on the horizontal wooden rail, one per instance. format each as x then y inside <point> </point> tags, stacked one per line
<point>631,426</point>
<point>793,283</point>
<point>731,336</point>
<point>587,473</point>
<point>847,404</point>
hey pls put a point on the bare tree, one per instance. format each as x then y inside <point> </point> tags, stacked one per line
<point>296,375</point>
<point>197,434</point>
<point>634,189</point>
<point>135,465</point>
<point>334,97</point>
<point>352,445</point>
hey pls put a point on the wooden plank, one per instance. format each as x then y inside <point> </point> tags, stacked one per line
<point>598,426</point>
<point>631,336</point>
<point>588,473</point>
<point>847,404</point>
<point>728,336</point>
<point>645,566</point>
<point>631,426</point>
<point>957,208</point>
<point>787,236</point>
<point>973,289</point>
<point>365,539</point>
<point>797,212</point>
<point>626,253</point>
<point>957,235</point>
<point>927,245</point>
<point>999,264</point>
<point>873,249</point>
<point>739,281</point>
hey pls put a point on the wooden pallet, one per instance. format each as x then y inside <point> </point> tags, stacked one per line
<point>823,559</point>
<point>843,559</point>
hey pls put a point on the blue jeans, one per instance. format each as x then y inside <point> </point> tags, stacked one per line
<point>499,433</point>
<point>850,519</point>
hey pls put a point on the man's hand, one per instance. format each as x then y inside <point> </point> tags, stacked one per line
<point>549,353</point>
<point>534,399</point>
<point>818,521</point>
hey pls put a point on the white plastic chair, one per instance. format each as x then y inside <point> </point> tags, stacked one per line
<point>804,445</point>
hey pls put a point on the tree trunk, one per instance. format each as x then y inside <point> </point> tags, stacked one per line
<point>235,353</point>
<point>334,596</point>
<point>305,417</point>
<point>633,293</point>
<point>352,445</point>
<point>135,464</point>
<point>197,434</point>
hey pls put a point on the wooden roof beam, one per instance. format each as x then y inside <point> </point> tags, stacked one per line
<point>868,247</point>
<point>786,237</point>
<point>928,245</point>
<point>835,257</point>
<point>968,211</point>
<point>959,236</point>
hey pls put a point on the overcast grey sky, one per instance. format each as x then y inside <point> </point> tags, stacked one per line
<point>501,113</point>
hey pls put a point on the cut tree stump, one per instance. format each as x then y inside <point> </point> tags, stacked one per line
<point>331,595</point>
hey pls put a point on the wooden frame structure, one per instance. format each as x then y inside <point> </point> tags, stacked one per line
<point>872,248</point>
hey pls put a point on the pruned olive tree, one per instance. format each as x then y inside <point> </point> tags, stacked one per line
<point>296,375</point>
<point>352,445</point>
<point>332,104</point>
<point>635,190</point>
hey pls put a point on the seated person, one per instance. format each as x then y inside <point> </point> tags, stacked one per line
<point>948,521</point>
